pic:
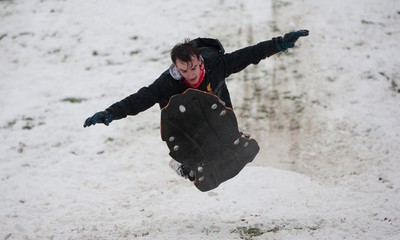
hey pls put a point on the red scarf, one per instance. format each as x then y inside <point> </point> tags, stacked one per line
<point>202,73</point>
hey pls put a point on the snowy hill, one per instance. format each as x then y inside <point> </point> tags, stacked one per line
<point>325,114</point>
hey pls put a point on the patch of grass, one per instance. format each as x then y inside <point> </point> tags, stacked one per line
<point>3,36</point>
<point>28,123</point>
<point>10,124</point>
<point>134,52</point>
<point>274,229</point>
<point>249,232</point>
<point>73,100</point>
<point>27,126</point>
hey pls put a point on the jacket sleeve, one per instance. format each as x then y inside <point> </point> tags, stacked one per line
<point>138,102</point>
<point>240,59</point>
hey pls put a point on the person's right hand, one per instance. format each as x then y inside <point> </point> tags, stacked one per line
<point>99,117</point>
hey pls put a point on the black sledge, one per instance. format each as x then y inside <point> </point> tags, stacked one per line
<point>203,134</point>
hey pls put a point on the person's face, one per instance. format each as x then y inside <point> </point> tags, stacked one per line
<point>190,70</point>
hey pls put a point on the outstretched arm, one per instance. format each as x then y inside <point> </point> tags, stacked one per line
<point>138,102</point>
<point>131,105</point>
<point>240,59</point>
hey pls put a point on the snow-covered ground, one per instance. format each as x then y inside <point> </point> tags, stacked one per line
<point>326,115</point>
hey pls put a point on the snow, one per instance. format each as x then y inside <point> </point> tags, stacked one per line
<point>325,114</point>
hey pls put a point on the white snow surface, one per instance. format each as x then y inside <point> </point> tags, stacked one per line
<point>325,113</point>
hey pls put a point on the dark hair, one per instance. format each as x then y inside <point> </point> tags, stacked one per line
<point>184,51</point>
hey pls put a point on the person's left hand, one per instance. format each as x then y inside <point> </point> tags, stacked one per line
<point>290,38</point>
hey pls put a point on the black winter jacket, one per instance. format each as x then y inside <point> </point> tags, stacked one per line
<point>218,66</point>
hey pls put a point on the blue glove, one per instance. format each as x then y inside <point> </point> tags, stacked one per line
<point>289,39</point>
<point>99,117</point>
